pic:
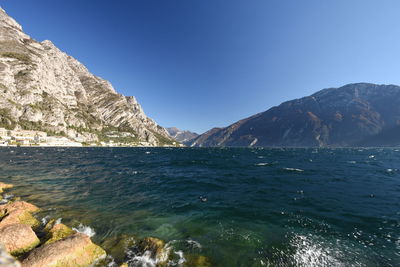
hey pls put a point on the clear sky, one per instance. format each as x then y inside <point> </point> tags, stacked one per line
<point>198,64</point>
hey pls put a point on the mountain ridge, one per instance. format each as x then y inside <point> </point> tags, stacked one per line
<point>43,88</point>
<point>343,116</point>
<point>183,136</point>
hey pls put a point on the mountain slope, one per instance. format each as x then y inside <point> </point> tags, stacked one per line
<point>331,117</point>
<point>43,88</point>
<point>181,136</point>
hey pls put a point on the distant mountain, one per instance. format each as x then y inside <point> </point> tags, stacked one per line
<point>181,136</point>
<point>352,115</point>
<point>43,88</point>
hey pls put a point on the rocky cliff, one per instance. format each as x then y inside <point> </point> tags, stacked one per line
<point>352,115</point>
<point>184,137</point>
<point>43,88</point>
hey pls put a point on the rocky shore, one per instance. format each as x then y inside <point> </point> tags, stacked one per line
<point>26,242</point>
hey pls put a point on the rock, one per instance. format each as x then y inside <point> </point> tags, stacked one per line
<point>196,261</point>
<point>19,205</point>
<point>156,247</point>
<point>18,212</point>
<point>149,250</point>
<point>75,250</point>
<point>19,216</point>
<point>57,232</point>
<point>118,245</point>
<point>122,265</point>
<point>18,238</point>
<point>4,186</point>
<point>6,260</point>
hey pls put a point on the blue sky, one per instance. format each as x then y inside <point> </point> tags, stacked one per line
<point>201,64</point>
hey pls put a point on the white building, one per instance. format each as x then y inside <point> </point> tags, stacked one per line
<point>60,141</point>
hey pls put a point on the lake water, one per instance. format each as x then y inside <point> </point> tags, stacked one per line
<point>237,206</point>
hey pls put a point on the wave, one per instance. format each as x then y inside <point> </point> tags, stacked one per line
<point>293,169</point>
<point>87,230</point>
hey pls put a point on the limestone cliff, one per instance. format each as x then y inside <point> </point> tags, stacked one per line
<point>43,88</point>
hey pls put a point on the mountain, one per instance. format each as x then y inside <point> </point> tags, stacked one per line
<point>43,88</point>
<point>355,114</point>
<point>181,136</point>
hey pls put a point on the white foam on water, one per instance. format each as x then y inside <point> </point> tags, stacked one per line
<point>83,229</point>
<point>312,253</point>
<point>262,164</point>
<point>371,156</point>
<point>352,162</point>
<point>181,257</point>
<point>8,196</point>
<point>45,219</point>
<point>193,243</point>
<point>144,260</point>
<point>293,169</point>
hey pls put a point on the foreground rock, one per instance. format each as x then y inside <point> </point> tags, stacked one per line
<point>18,205</point>
<point>6,260</point>
<point>75,250</point>
<point>18,239</point>
<point>58,232</point>
<point>4,186</point>
<point>18,212</point>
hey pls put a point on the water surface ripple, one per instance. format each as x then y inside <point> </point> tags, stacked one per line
<point>278,207</point>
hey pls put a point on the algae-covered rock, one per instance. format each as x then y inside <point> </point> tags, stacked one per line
<point>18,205</point>
<point>4,186</point>
<point>118,245</point>
<point>149,249</point>
<point>156,247</point>
<point>57,232</point>
<point>19,217</point>
<point>75,250</point>
<point>18,238</point>
<point>196,261</point>
<point>6,260</point>
<point>18,212</point>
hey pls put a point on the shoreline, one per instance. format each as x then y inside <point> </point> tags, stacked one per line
<point>29,240</point>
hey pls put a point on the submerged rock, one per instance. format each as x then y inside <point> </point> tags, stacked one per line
<point>196,261</point>
<point>75,250</point>
<point>18,238</point>
<point>156,247</point>
<point>117,246</point>
<point>6,260</point>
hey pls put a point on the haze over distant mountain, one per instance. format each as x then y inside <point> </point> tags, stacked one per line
<point>42,88</point>
<point>181,136</point>
<point>358,114</point>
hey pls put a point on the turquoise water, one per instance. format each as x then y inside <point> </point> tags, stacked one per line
<point>278,207</point>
